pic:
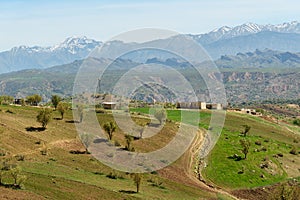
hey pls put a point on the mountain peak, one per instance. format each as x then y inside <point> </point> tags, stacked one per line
<point>74,43</point>
<point>226,32</point>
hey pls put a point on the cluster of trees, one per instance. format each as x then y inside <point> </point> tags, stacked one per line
<point>45,114</point>
<point>5,99</point>
<point>33,100</point>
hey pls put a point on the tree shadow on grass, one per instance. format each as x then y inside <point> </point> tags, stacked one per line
<point>35,129</point>
<point>57,118</point>
<point>235,157</point>
<point>127,191</point>
<point>12,186</point>
<point>72,121</point>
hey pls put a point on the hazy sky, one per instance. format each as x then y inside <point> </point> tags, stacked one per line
<point>35,22</point>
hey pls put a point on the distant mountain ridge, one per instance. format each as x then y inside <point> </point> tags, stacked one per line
<point>226,32</point>
<point>23,57</point>
<point>222,41</point>
<point>260,59</point>
<point>250,76</point>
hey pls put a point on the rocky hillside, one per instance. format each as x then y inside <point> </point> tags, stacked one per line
<point>252,76</point>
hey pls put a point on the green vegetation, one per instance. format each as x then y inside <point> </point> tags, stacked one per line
<point>246,130</point>
<point>11,175</point>
<point>33,100</point>
<point>296,122</point>
<point>245,147</point>
<point>62,107</point>
<point>6,100</point>
<point>137,178</point>
<point>225,167</point>
<point>110,128</point>
<point>60,174</point>
<point>66,163</point>
<point>55,99</point>
<point>44,116</point>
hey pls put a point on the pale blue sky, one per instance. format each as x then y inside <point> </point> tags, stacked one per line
<point>44,23</point>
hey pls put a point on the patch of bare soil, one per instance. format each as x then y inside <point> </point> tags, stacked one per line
<point>69,145</point>
<point>181,170</point>
<point>6,193</point>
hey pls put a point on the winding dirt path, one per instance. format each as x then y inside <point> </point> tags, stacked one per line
<point>193,154</point>
<point>185,171</point>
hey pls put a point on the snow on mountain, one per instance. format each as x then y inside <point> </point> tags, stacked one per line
<point>74,44</point>
<point>24,57</point>
<point>226,32</point>
<point>71,44</point>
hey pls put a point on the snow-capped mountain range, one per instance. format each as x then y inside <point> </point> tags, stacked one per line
<point>227,32</point>
<point>24,57</point>
<point>72,45</point>
<point>222,41</point>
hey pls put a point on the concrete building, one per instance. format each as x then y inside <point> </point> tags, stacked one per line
<point>109,105</point>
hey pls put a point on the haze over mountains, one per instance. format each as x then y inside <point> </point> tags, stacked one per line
<point>223,41</point>
<point>257,62</point>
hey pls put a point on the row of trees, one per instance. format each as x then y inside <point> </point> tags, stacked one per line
<point>4,99</point>
<point>32,100</point>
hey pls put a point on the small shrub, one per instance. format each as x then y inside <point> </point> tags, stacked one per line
<point>20,157</point>
<point>266,140</point>
<point>111,176</point>
<point>2,153</point>
<point>263,149</point>
<point>117,144</point>
<point>296,122</point>
<point>38,142</point>
<point>44,151</point>
<point>258,143</point>
<point>296,141</point>
<point>278,155</point>
<point>293,151</point>
<point>235,157</point>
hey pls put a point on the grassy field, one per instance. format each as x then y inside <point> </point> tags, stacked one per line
<point>267,141</point>
<point>58,174</point>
